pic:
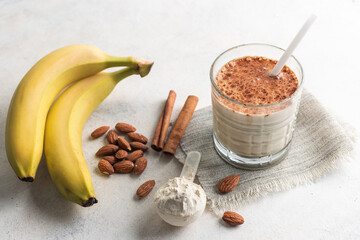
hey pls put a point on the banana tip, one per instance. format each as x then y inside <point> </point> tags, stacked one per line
<point>91,201</point>
<point>27,179</point>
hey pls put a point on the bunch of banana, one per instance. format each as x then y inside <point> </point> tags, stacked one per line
<point>62,127</point>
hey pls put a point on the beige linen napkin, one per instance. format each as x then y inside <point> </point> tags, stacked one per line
<point>319,144</point>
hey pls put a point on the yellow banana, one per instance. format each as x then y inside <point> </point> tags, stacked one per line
<point>63,133</point>
<point>37,90</point>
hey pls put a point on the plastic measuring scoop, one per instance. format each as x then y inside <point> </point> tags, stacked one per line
<point>180,202</point>
<point>191,165</point>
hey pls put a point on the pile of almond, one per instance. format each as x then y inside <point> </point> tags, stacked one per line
<point>121,155</point>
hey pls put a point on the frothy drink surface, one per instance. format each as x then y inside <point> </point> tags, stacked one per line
<point>247,80</point>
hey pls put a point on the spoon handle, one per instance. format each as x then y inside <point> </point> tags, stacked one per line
<point>191,165</point>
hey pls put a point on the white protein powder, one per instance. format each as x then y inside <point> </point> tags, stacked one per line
<point>180,201</point>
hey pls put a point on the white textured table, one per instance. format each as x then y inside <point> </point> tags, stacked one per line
<point>183,38</point>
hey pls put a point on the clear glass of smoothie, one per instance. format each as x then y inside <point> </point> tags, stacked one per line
<point>254,114</point>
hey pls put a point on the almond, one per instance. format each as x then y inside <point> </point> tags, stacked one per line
<point>228,184</point>
<point>107,150</point>
<point>124,144</point>
<point>233,218</point>
<point>121,154</point>
<point>140,165</point>
<point>111,159</point>
<point>125,128</point>
<point>105,167</point>
<point>137,137</point>
<point>145,188</point>
<point>100,131</point>
<point>135,155</point>
<point>138,146</point>
<point>112,137</point>
<point>124,166</point>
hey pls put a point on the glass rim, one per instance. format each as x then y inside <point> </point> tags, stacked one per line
<point>253,105</point>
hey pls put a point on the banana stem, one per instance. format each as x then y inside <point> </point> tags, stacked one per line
<point>142,66</point>
<point>113,61</point>
<point>123,73</point>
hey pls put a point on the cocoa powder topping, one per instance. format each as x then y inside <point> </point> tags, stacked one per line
<point>247,80</point>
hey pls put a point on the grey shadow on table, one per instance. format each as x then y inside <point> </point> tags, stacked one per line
<point>47,200</point>
<point>165,158</point>
<point>11,187</point>
<point>40,196</point>
<point>151,226</point>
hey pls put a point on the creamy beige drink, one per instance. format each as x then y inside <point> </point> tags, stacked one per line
<point>254,114</point>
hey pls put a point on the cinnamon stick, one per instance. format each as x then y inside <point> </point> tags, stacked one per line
<point>180,125</point>
<point>155,141</point>
<point>167,117</point>
<point>163,124</point>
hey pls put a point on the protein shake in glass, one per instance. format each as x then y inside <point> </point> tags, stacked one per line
<point>254,114</point>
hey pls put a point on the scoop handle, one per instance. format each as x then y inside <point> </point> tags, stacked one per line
<point>191,165</point>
